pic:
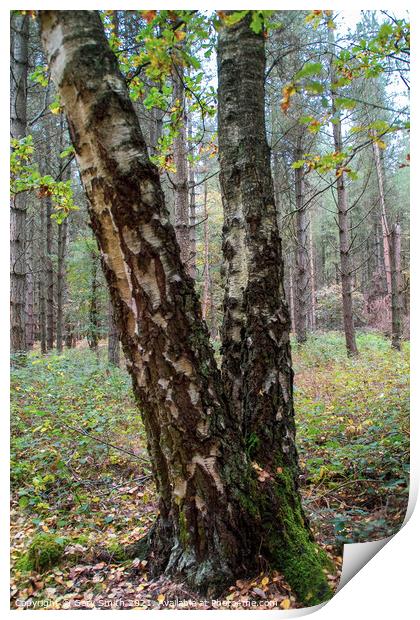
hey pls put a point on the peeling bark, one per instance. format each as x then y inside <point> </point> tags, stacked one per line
<point>256,366</point>
<point>215,518</point>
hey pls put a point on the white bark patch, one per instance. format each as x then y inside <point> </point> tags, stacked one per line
<point>203,428</point>
<point>208,464</point>
<point>147,190</point>
<point>193,393</point>
<point>163,383</point>
<point>284,387</point>
<point>159,320</point>
<point>183,366</point>
<point>200,504</point>
<point>180,488</point>
<point>132,239</point>
<point>270,380</point>
<point>150,236</point>
<point>147,280</point>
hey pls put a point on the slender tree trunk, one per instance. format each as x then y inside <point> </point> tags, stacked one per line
<point>206,274</point>
<point>192,221</point>
<point>182,220</point>
<point>113,339</point>
<point>30,293</point>
<point>343,219</point>
<point>302,275</point>
<point>396,286</point>
<point>292,300</point>
<point>216,515</point>
<point>61,281</point>
<point>384,219</point>
<point>312,307</point>
<point>93,329</point>
<point>42,287</point>
<point>18,82</point>
<point>49,276</point>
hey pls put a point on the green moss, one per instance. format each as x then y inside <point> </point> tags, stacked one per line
<point>299,558</point>
<point>183,531</point>
<point>252,444</point>
<point>45,551</point>
<point>117,552</point>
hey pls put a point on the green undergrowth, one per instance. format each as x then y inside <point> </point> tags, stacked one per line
<point>352,418</point>
<point>72,414</point>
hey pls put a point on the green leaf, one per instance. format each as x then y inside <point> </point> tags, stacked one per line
<point>310,69</point>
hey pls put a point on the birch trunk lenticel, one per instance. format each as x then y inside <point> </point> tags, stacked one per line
<point>213,520</point>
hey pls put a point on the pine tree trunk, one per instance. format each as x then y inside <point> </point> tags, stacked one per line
<point>182,219</point>
<point>343,219</point>
<point>30,293</point>
<point>113,339</point>
<point>93,328</point>
<point>302,275</point>
<point>41,288</point>
<point>18,96</point>
<point>61,281</point>
<point>312,308</point>
<point>384,219</point>
<point>49,277</point>
<point>292,300</point>
<point>216,516</point>
<point>192,221</point>
<point>395,261</point>
<point>205,301</point>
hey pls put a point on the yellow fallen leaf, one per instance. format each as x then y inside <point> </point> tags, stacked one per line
<point>285,604</point>
<point>161,598</point>
<point>264,581</point>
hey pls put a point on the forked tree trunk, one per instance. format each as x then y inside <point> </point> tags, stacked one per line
<point>217,514</point>
<point>18,80</point>
<point>343,219</point>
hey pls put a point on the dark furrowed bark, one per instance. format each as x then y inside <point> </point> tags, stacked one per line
<point>256,366</point>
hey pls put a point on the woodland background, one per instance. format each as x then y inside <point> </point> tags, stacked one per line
<point>80,479</point>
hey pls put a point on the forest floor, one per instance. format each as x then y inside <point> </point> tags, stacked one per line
<point>81,479</point>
